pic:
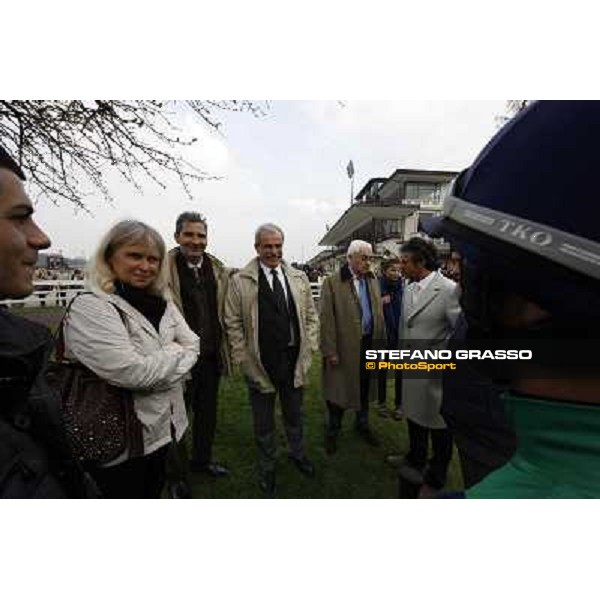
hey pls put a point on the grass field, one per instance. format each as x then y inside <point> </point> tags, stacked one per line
<point>356,471</point>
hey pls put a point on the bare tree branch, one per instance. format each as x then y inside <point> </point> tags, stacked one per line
<point>513,108</point>
<point>70,147</point>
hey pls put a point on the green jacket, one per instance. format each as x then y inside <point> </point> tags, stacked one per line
<point>222,277</point>
<point>241,322</point>
<point>558,453</point>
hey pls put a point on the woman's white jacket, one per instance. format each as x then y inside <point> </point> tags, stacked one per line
<point>128,352</point>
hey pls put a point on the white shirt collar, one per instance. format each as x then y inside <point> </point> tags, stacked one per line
<point>354,275</point>
<point>198,265</point>
<point>421,285</point>
<point>267,270</point>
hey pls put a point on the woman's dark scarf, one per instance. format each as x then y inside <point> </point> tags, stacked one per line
<point>151,306</point>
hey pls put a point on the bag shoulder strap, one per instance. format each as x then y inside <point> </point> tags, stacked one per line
<point>59,335</point>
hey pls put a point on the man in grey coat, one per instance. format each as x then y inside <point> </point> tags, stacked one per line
<point>429,313</point>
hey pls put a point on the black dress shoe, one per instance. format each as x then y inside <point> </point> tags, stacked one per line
<point>410,481</point>
<point>213,469</point>
<point>395,460</point>
<point>267,483</point>
<point>304,466</point>
<point>368,436</point>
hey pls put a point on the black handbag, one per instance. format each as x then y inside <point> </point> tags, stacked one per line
<point>99,418</point>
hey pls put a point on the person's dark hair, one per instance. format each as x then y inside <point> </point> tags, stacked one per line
<point>7,162</point>
<point>422,251</point>
<point>189,217</point>
<point>389,262</point>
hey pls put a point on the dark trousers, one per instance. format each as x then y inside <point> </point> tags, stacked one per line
<point>382,376</point>
<point>382,381</point>
<point>441,442</point>
<point>142,477</point>
<point>336,413</point>
<point>201,394</point>
<point>263,417</point>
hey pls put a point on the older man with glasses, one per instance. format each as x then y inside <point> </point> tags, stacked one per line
<point>351,322</point>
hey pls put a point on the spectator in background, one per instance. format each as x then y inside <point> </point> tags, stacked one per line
<point>391,287</point>
<point>129,334</point>
<point>451,268</point>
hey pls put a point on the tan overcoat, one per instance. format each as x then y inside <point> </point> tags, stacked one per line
<point>222,277</point>
<point>241,321</point>
<point>341,334</point>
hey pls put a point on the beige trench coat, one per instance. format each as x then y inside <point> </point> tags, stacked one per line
<point>341,333</point>
<point>241,322</point>
<point>222,276</point>
<point>427,325</point>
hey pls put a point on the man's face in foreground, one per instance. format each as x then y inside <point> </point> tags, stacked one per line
<point>20,238</point>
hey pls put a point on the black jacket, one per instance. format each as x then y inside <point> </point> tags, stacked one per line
<point>35,460</point>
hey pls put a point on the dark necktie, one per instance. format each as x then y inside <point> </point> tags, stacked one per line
<point>278,291</point>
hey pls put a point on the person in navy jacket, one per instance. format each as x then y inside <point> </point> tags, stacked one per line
<point>391,288</point>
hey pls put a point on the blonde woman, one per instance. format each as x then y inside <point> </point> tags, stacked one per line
<point>130,334</point>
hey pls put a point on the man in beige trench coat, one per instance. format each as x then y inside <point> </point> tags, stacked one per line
<point>429,312</point>
<point>351,322</point>
<point>272,328</point>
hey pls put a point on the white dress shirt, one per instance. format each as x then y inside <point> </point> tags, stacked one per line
<point>269,276</point>
<point>197,265</point>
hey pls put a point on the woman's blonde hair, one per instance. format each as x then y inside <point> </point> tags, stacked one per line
<point>100,273</point>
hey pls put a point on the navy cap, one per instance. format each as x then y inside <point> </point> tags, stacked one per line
<point>533,187</point>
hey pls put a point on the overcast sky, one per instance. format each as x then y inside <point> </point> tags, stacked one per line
<point>288,167</point>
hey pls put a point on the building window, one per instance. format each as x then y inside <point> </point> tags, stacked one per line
<point>427,193</point>
<point>391,226</point>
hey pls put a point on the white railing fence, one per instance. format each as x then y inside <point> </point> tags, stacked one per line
<point>52,292</point>
<point>57,292</point>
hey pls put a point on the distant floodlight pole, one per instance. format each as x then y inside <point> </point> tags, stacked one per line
<point>350,171</point>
